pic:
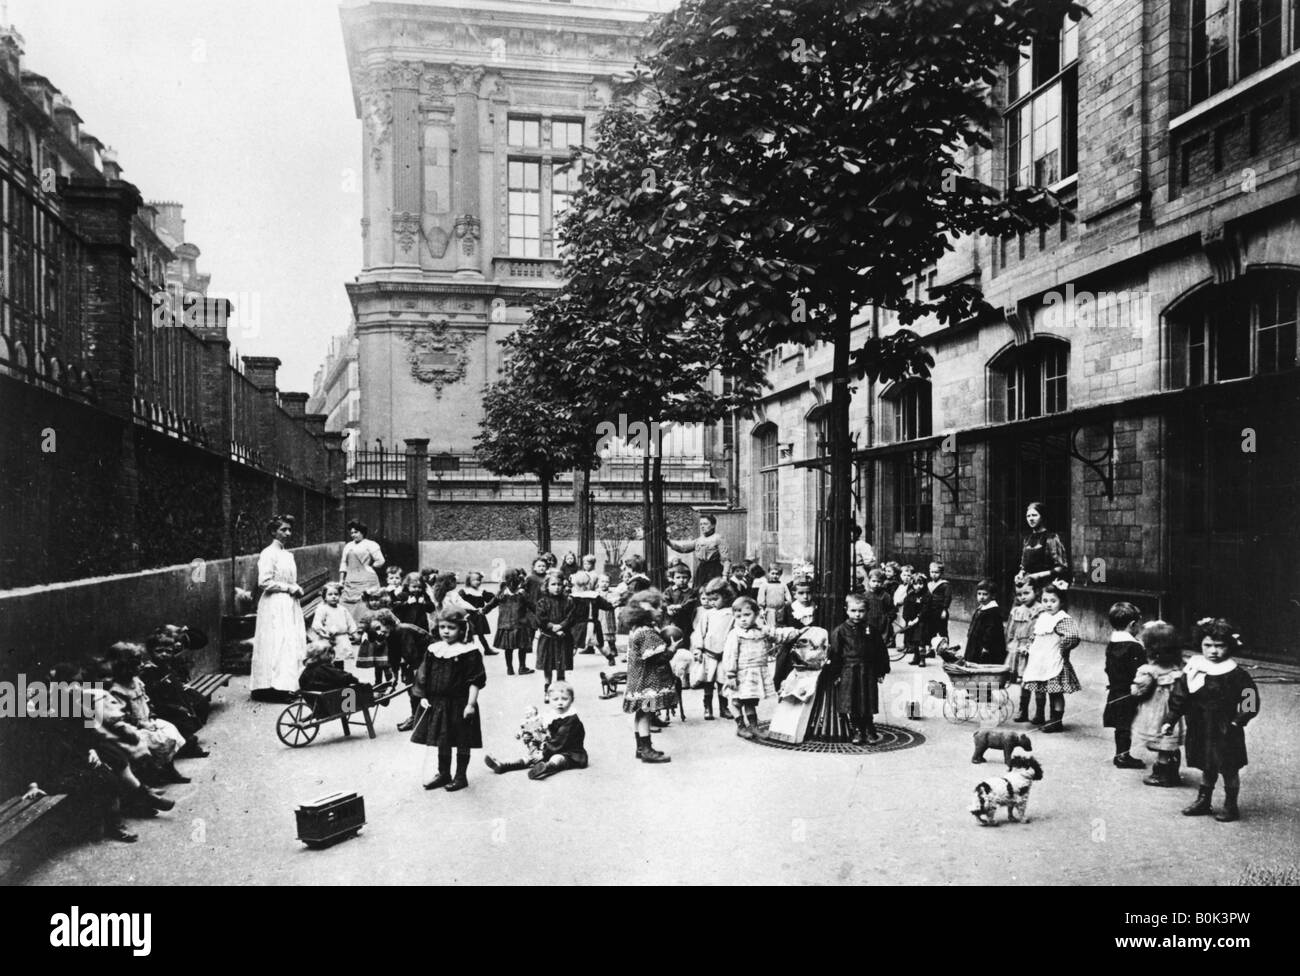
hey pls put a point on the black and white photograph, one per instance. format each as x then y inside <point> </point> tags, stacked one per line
<point>652,443</point>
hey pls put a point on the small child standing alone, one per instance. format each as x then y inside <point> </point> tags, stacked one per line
<point>859,662</point>
<point>448,683</point>
<point>1124,655</point>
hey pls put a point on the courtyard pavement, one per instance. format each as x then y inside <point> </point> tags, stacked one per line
<point>724,811</point>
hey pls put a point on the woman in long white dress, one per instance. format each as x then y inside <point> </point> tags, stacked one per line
<point>280,640</point>
<point>357,569</point>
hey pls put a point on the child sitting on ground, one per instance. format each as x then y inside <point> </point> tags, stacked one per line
<point>554,744</point>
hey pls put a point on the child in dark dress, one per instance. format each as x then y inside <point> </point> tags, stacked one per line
<point>859,663</point>
<point>412,604</point>
<point>1124,655</point>
<point>320,673</point>
<point>514,621</point>
<point>554,613</point>
<point>651,686</point>
<point>448,683</point>
<point>986,640</point>
<point>564,746</point>
<point>914,609</point>
<point>1218,698</point>
<point>680,599</point>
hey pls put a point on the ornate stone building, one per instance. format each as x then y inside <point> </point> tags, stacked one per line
<point>468,110</point>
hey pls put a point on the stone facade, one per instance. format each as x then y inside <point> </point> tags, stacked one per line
<point>436,89</point>
<point>1173,462</point>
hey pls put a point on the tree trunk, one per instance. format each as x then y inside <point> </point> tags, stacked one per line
<point>655,548</point>
<point>544,517</point>
<point>647,510</point>
<point>582,509</point>
<point>837,561</point>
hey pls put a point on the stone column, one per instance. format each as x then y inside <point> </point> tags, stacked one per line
<point>408,169</point>
<point>103,215</point>
<point>468,230</point>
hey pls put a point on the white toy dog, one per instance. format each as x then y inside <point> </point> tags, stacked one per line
<point>1010,791</point>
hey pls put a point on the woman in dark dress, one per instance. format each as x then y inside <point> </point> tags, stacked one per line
<point>448,682</point>
<point>1043,558</point>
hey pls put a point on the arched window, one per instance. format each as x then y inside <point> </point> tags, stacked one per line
<point>1030,380</point>
<point>1233,331</point>
<point>769,477</point>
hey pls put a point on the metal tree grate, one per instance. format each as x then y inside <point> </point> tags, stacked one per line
<point>895,737</point>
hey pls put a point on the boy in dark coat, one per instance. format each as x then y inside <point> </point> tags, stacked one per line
<point>986,640</point>
<point>1218,698</point>
<point>1124,655</point>
<point>859,662</point>
<point>934,614</point>
<point>322,674</point>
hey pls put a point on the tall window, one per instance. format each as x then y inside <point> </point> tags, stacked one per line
<point>539,192</point>
<point>912,412</point>
<point>525,210</point>
<point>1229,40</point>
<point>769,480</point>
<point>1042,108</point>
<point>913,495</point>
<point>1230,336</point>
<point>1031,381</point>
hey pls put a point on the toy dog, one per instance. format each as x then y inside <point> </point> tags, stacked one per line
<point>1010,791</point>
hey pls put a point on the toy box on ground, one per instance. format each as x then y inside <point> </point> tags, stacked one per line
<point>330,818</point>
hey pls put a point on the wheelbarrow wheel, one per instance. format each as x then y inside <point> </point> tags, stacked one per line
<point>295,726</point>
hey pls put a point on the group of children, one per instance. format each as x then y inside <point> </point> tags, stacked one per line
<point>111,734</point>
<point>1202,705</point>
<point>722,639</point>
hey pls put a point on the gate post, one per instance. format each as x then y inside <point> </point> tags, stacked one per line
<point>417,491</point>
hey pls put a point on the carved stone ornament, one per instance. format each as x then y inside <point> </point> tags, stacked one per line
<point>376,96</point>
<point>438,355</point>
<point>406,229</point>
<point>433,88</point>
<point>405,74</point>
<point>467,78</point>
<point>468,228</point>
<point>436,237</point>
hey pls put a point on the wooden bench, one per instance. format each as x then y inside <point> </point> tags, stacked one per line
<point>207,684</point>
<point>312,593</point>
<point>21,823</point>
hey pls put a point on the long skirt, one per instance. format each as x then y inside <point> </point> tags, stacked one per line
<point>279,643</point>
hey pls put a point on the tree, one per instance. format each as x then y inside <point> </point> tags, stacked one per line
<point>618,338</point>
<point>528,428</point>
<point>820,150</point>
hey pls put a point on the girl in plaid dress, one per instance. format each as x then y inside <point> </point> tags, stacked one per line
<point>1049,671</point>
<point>1020,634</point>
<point>651,686</point>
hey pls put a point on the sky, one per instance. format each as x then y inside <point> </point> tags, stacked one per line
<point>242,111</point>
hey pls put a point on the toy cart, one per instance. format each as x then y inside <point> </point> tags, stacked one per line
<point>975,691</point>
<point>302,718</point>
